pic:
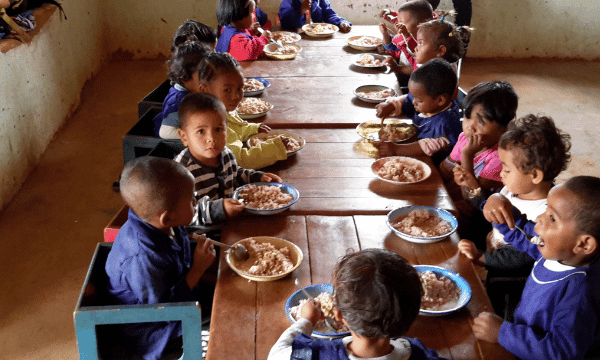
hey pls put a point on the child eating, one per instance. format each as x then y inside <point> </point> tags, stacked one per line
<point>532,152</point>
<point>213,166</point>
<point>151,260</point>
<point>432,110</point>
<point>558,316</point>
<point>375,279</point>
<point>293,13</point>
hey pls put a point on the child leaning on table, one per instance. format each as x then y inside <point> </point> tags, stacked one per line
<point>151,260</point>
<point>432,110</point>
<point>292,14</point>
<point>533,152</point>
<point>239,35</point>
<point>377,295</point>
<point>221,75</point>
<point>183,73</point>
<point>559,313</point>
<point>213,166</point>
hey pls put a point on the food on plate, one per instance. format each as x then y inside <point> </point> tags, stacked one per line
<point>366,41</point>
<point>422,223</point>
<point>396,169</point>
<point>264,197</point>
<point>438,293</point>
<point>251,106</point>
<point>291,144</point>
<point>253,85</point>
<point>390,132</point>
<point>321,29</point>
<point>369,60</point>
<point>285,50</point>
<point>327,306</point>
<point>382,94</point>
<point>267,259</point>
<point>283,37</point>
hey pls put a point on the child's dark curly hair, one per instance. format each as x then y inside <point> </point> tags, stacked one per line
<point>185,60</point>
<point>214,63</point>
<point>586,210</point>
<point>498,99</point>
<point>192,30</point>
<point>437,76</point>
<point>454,38</point>
<point>544,146</point>
<point>229,11</point>
<point>378,292</point>
<point>419,9</point>
<point>195,103</point>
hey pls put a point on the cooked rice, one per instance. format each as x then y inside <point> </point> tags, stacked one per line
<point>327,307</point>
<point>422,223</point>
<point>253,85</point>
<point>264,197</point>
<point>251,106</point>
<point>397,169</point>
<point>269,260</point>
<point>438,293</point>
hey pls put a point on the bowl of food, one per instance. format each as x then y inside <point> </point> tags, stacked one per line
<point>421,224</point>
<point>266,198</point>
<point>374,93</point>
<point>285,36</point>
<point>251,108</point>
<point>324,293</point>
<point>363,42</point>
<point>401,170</point>
<point>283,51</point>
<point>392,130</point>
<point>294,142</point>
<point>444,291</point>
<point>269,259</point>
<point>254,86</point>
<point>368,60</point>
<point>320,29</point>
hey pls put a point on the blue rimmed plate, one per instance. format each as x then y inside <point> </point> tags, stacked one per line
<point>459,281</point>
<point>395,214</point>
<point>314,290</point>
<point>285,188</point>
<point>265,82</point>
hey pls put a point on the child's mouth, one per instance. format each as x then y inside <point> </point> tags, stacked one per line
<point>537,240</point>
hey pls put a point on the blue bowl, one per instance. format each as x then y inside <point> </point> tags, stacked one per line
<point>285,188</point>
<point>403,211</point>
<point>459,281</point>
<point>257,92</point>
<point>314,290</point>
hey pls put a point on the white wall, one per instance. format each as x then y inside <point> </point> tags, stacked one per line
<point>41,85</point>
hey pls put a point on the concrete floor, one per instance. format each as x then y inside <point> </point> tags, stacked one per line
<point>50,229</point>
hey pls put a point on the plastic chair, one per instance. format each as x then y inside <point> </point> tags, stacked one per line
<point>93,309</point>
<point>155,98</point>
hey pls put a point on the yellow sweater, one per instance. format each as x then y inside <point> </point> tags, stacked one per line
<point>265,154</point>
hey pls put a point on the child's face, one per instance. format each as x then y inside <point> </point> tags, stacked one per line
<point>205,134</point>
<point>557,226</point>
<point>192,85</point>
<point>184,211</point>
<point>423,102</point>
<point>477,124</point>
<point>411,22</point>
<point>515,180</point>
<point>426,49</point>
<point>228,87</point>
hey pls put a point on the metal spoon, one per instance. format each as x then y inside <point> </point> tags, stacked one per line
<point>239,251</point>
<point>297,282</point>
<point>532,239</point>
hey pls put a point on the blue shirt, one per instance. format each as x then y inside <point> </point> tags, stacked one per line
<point>225,38</point>
<point>320,11</point>
<point>146,266</point>
<point>445,123</point>
<point>169,115</point>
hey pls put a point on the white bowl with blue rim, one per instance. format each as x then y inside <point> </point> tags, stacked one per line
<point>285,188</point>
<point>459,281</point>
<point>265,82</point>
<point>394,215</point>
<point>314,290</point>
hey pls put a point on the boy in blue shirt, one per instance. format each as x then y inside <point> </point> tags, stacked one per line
<point>151,260</point>
<point>292,14</point>
<point>559,313</point>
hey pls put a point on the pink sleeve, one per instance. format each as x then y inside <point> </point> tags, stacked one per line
<point>242,48</point>
<point>492,167</point>
<point>456,154</point>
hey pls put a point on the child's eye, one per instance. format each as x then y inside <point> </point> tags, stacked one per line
<point>201,131</point>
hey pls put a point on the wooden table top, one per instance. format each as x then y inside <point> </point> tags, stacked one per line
<point>248,317</point>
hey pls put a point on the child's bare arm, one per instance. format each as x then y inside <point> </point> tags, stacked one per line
<point>385,33</point>
<point>204,256</point>
<point>391,149</point>
<point>486,326</point>
<point>499,210</point>
<point>270,177</point>
<point>468,248</point>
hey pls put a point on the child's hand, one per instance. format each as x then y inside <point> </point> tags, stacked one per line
<point>499,210</point>
<point>464,178</point>
<point>269,177</point>
<point>204,254</point>
<point>486,326</point>
<point>468,249</point>
<point>311,310</point>
<point>402,29</point>
<point>386,148</point>
<point>267,34</point>
<point>305,6</point>
<point>232,207</point>
<point>384,13</point>
<point>255,26</point>
<point>263,128</point>
<point>383,29</point>
<point>345,27</point>
<point>384,109</point>
<point>381,49</point>
<point>474,144</point>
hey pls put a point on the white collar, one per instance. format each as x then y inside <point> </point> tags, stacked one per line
<point>555,266</point>
<point>180,87</point>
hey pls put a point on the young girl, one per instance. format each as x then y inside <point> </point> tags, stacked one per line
<point>238,36</point>
<point>221,75</point>
<point>182,71</point>
<point>192,30</point>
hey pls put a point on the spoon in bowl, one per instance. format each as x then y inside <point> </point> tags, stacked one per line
<point>238,251</point>
<point>297,282</point>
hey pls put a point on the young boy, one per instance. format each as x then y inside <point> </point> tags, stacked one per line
<point>151,260</point>
<point>432,110</point>
<point>533,152</point>
<point>203,129</point>
<point>559,313</point>
<point>292,14</point>
<point>375,279</point>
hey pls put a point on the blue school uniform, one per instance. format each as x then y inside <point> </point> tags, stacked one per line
<point>320,10</point>
<point>168,115</point>
<point>445,123</point>
<point>225,38</point>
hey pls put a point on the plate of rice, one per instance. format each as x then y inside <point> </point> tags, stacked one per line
<point>363,42</point>
<point>400,170</point>
<point>270,258</point>
<point>393,130</point>
<point>320,29</point>
<point>324,293</point>
<point>295,142</point>
<point>266,198</point>
<point>374,93</point>
<point>254,86</point>
<point>252,108</point>
<point>286,36</point>
<point>422,224</point>
<point>444,291</point>
<point>286,51</point>
<point>368,60</point>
